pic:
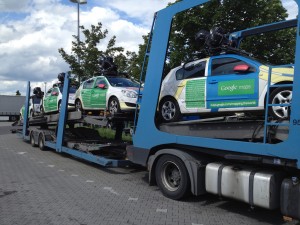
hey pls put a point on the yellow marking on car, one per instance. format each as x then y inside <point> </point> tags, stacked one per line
<point>180,88</point>
<point>278,74</point>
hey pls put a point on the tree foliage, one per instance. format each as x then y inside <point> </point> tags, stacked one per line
<point>233,15</point>
<point>89,54</point>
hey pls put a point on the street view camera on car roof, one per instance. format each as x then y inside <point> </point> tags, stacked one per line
<point>108,67</point>
<point>215,42</point>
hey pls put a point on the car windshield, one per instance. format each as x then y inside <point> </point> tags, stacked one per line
<point>122,82</point>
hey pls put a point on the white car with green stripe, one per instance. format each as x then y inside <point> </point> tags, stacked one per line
<point>116,94</point>
<point>224,84</point>
<point>53,97</point>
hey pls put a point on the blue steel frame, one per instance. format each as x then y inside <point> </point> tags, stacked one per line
<point>26,113</point>
<point>288,149</point>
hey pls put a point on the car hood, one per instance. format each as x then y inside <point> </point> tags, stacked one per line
<point>136,89</point>
<point>279,73</point>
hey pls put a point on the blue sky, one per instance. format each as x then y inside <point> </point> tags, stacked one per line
<point>32,31</point>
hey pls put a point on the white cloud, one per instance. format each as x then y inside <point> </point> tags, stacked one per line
<point>14,5</point>
<point>143,10</point>
<point>32,31</point>
<point>291,7</point>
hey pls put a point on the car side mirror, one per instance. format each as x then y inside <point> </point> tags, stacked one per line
<point>242,68</point>
<point>102,86</point>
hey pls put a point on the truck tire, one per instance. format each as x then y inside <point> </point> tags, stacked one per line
<point>41,142</point>
<point>172,177</point>
<point>32,142</point>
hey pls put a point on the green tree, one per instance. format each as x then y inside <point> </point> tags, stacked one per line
<point>89,53</point>
<point>136,60</point>
<point>233,15</point>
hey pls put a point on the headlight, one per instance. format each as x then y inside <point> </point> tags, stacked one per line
<point>129,94</point>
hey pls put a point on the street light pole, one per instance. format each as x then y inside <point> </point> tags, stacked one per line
<point>78,2</point>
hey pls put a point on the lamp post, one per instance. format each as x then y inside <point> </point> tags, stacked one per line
<point>78,2</point>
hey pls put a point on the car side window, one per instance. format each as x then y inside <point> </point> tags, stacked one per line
<point>191,71</point>
<point>223,66</point>
<point>100,81</point>
<point>55,91</point>
<point>49,92</point>
<point>88,84</point>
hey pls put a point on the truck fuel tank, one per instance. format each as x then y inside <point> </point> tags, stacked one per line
<point>258,187</point>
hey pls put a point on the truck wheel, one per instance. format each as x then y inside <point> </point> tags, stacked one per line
<point>12,118</point>
<point>42,142</point>
<point>169,110</point>
<point>281,95</point>
<point>172,177</point>
<point>32,142</point>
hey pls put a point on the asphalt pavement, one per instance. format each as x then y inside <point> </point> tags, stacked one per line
<point>44,187</point>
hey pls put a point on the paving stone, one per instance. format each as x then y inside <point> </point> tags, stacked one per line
<point>34,193</point>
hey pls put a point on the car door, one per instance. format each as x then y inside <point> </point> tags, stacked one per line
<point>46,102</point>
<point>86,92</point>
<point>98,94</point>
<point>229,86</point>
<point>193,83</point>
<point>53,99</point>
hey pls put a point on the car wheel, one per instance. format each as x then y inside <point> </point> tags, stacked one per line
<point>42,110</point>
<point>113,106</point>
<point>169,110</point>
<point>281,95</point>
<point>172,177</point>
<point>59,106</point>
<point>31,114</point>
<point>78,106</point>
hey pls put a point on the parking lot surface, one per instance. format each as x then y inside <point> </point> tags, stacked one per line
<point>38,188</point>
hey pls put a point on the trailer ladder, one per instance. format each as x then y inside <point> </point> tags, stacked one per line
<point>270,123</point>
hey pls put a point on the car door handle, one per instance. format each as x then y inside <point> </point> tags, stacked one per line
<point>213,82</point>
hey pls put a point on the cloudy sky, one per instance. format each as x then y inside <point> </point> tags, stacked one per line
<point>32,31</point>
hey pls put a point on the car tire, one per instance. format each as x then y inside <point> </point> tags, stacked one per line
<point>113,106</point>
<point>78,105</point>
<point>280,95</point>
<point>172,177</point>
<point>31,113</point>
<point>42,110</point>
<point>59,106</point>
<point>169,110</point>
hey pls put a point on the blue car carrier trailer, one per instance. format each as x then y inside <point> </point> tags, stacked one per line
<point>254,161</point>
